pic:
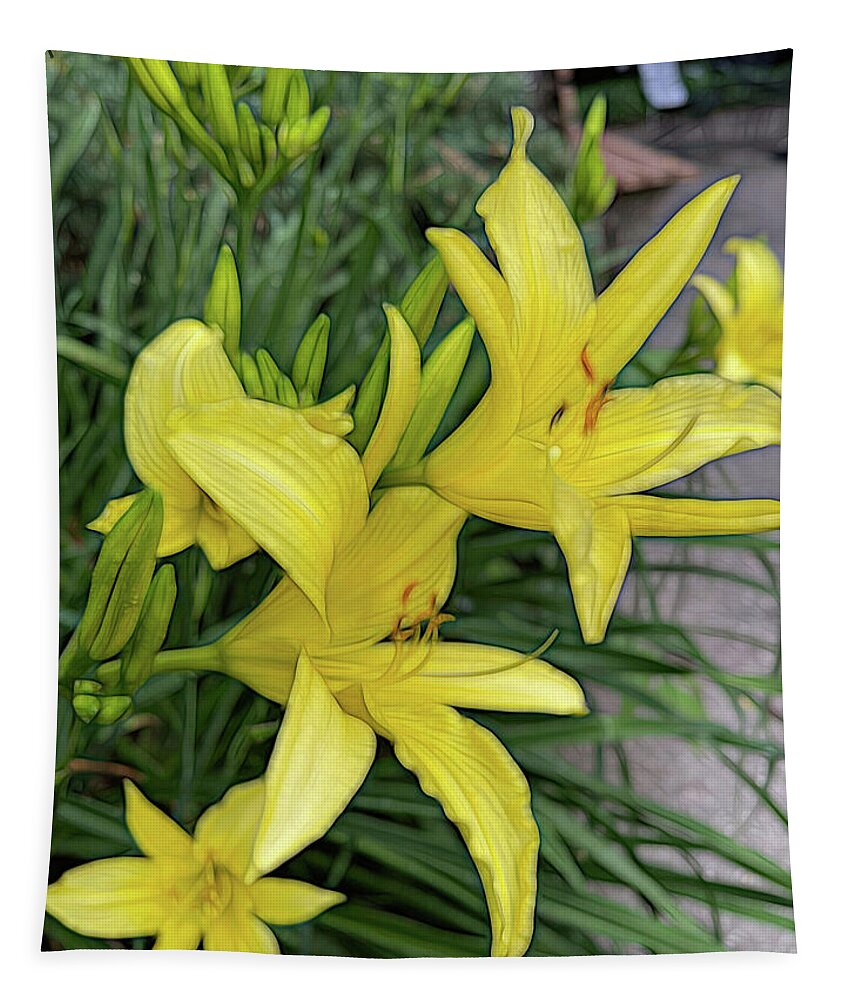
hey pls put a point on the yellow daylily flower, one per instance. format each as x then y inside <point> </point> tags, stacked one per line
<point>187,890</point>
<point>551,446</point>
<point>384,671</point>
<point>236,473</point>
<point>750,348</point>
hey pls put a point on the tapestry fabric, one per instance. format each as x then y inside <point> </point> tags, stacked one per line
<point>419,446</point>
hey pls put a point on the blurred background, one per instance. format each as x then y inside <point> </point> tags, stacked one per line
<point>666,805</point>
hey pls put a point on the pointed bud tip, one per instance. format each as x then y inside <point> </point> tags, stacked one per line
<point>523,123</point>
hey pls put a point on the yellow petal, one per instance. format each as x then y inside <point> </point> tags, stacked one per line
<point>113,898</point>
<point>672,517</point>
<point>469,675</point>
<point>320,759</point>
<point>185,364</point>
<point>483,792</point>
<point>597,545</point>
<point>238,930</point>
<point>645,438</point>
<point>298,492</point>
<point>720,300</point>
<point>224,542</point>
<point>759,276</point>
<point>481,288</point>
<point>541,256</point>
<point>179,932</point>
<point>630,308</point>
<point>402,564</point>
<point>227,829</point>
<point>156,835</point>
<point>284,901</point>
<point>403,388</point>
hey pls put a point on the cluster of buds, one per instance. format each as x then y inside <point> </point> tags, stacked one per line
<point>592,188</point>
<point>249,146</point>
<point>127,615</point>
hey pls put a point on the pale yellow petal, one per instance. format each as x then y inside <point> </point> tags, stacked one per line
<point>298,492</point>
<point>672,517</point>
<point>403,388</point>
<point>156,835</point>
<point>630,308</point>
<point>320,759</point>
<point>597,544</point>
<point>482,791</point>
<point>224,542</point>
<point>179,932</point>
<point>645,438</point>
<point>401,565</point>
<point>227,829</point>
<point>541,256</point>
<point>469,675</point>
<point>284,901</point>
<point>718,296</point>
<point>481,288</point>
<point>238,930</point>
<point>185,364</point>
<point>759,276</point>
<point>113,898</point>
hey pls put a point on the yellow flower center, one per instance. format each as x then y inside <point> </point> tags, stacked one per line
<point>208,893</point>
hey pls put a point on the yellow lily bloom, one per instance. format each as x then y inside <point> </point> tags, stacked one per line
<point>750,348</point>
<point>384,671</point>
<point>187,890</point>
<point>236,473</point>
<point>551,447</point>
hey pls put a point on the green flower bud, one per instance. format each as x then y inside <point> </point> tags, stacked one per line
<point>296,137</point>
<point>269,144</point>
<point>223,305</point>
<point>121,577</point>
<point>86,706</point>
<point>592,189</point>
<point>298,97</point>
<point>150,633</point>
<point>217,95</point>
<point>269,374</point>
<point>113,708</point>
<point>316,125</point>
<point>438,381</point>
<point>109,674</point>
<point>309,362</point>
<point>86,686</point>
<point>249,135</point>
<point>274,95</point>
<point>420,306</point>
<point>251,377</point>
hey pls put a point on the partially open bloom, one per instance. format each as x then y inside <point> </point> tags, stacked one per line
<point>236,473</point>
<point>552,446</point>
<point>187,890</point>
<point>385,671</point>
<point>750,348</point>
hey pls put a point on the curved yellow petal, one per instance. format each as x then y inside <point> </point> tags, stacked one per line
<point>320,759</point>
<point>481,288</point>
<point>113,898</point>
<point>469,675</point>
<point>645,438</point>
<point>401,565</point>
<point>156,835</point>
<point>759,276</point>
<point>284,901</point>
<point>180,932</point>
<point>403,388</point>
<point>633,304</point>
<point>226,831</point>
<point>541,256</point>
<point>718,296</point>
<point>238,930</point>
<point>298,492</point>
<point>596,542</point>
<point>223,541</point>
<point>483,792</point>
<point>685,517</point>
<point>185,364</point>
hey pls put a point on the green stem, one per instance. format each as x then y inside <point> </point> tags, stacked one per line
<point>194,658</point>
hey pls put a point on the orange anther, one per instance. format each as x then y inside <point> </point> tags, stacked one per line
<point>406,593</point>
<point>586,364</point>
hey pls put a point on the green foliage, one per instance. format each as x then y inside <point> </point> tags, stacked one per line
<point>140,216</point>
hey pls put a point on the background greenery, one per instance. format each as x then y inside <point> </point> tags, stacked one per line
<point>139,218</point>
